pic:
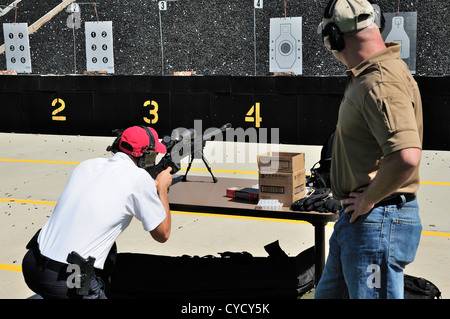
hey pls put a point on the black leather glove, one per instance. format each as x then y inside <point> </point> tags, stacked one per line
<point>319,201</point>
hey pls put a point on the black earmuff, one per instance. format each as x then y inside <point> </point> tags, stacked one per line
<point>150,149</point>
<point>149,155</point>
<point>335,36</point>
<point>331,30</point>
<point>152,144</point>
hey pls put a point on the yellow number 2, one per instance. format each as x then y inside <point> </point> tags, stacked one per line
<point>257,118</point>
<point>59,109</point>
<point>153,112</point>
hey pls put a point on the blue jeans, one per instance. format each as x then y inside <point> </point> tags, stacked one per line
<point>366,258</point>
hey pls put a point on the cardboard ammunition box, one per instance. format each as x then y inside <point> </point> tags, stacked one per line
<point>286,187</point>
<point>281,162</point>
<point>247,193</point>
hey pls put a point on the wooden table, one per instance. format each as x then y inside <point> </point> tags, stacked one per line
<point>200,194</point>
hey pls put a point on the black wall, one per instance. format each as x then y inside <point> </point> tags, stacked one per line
<point>303,108</point>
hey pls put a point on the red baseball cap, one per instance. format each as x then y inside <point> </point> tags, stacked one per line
<point>135,141</point>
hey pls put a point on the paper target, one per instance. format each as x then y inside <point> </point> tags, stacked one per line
<point>17,47</point>
<point>74,18</point>
<point>99,46</point>
<point>402,28</point>
<point>286,45</point>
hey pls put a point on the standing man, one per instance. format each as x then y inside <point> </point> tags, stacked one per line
<point>98,202</point>
<point>375,159</point>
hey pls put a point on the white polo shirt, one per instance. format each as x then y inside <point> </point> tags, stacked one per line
<point>100,199</point>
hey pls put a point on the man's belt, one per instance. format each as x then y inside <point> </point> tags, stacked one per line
<point>396,199</point>
<point>51,264</point>
<point>42,260</point>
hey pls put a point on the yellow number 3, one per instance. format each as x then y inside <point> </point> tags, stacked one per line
<point>153,112</point>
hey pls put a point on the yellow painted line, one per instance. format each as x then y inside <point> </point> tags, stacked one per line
<point>330,224</point>
<point>19,268</point>
<point>231,171</point>
<point>437,234</point>
<point>427,233</point>
<point>10,267</point>
<point>247,217</point>
<point>37,161</point>
<point>183,169</point>
<point>24,201</point>
<point>435,183</point>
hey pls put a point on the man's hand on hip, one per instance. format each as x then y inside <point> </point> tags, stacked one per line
<point>356,204</point>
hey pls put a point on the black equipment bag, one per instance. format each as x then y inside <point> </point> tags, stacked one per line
<point>321,200</point>
<point>232,275</point>
<point>321,175</point>
<point>420,288</point>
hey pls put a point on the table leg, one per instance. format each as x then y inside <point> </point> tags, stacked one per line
<point>319,250</point>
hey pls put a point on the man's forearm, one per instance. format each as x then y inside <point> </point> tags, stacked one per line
<point>395,169</point>
<point>162,232</point>
<point>163,196</point>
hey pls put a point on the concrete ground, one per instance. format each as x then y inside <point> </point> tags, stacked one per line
<point>34,169</point>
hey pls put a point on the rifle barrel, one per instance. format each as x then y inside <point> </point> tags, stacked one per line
<point>216,131</point>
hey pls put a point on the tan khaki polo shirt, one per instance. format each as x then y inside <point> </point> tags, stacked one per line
<point>381,113</point>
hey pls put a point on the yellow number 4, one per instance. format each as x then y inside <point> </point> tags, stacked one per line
<point>257,118</point>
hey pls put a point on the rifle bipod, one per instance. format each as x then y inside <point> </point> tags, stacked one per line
<point>191,159</point>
